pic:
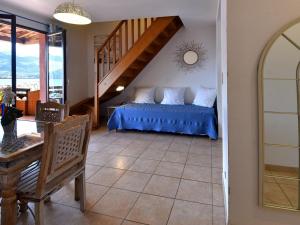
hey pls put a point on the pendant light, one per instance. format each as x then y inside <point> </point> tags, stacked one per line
<point>69,12</point>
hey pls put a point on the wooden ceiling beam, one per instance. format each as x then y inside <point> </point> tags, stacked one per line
<point>23,36</point>
<point>29,34</point>
<point>19,40</point>
<point>6,38</point>
<point>4,29</point>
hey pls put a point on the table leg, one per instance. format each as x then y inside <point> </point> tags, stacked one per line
<point>9,198</point>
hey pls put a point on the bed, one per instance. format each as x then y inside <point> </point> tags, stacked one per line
<point>184,119</point>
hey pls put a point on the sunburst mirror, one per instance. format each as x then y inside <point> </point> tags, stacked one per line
<point>190,56</point>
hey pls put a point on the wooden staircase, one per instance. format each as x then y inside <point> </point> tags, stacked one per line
<point>126,52</point>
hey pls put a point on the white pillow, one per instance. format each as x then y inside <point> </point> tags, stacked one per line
<point>205,97</point>
<point>173,96</point>
<point>144,95</point>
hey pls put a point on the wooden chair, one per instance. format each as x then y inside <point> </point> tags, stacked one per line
<point>51,111</point>
<point>63,159</point>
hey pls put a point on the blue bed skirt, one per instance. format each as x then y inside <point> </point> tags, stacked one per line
<point>185,119</point>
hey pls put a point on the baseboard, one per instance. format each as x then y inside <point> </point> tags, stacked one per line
<point>77,106</point>
<point>278,168</point>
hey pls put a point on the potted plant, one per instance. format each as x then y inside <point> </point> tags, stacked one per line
<point>9,113</point>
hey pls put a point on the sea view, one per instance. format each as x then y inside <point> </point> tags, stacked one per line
<point>33,84</point>
<point>28,65</point>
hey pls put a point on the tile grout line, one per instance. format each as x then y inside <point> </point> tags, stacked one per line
<point>152,174</point>
<point>86,178</point>
<point>159,161</point>
<point>175,197</point>
<point>202,181</point>
<point>104,166</point>
<point>142,192</point>
<point>109,188</point>
<point>64,204</point>
<point>97,213</point>
<point>202,203</point>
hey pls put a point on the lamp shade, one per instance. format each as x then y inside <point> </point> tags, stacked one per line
<point>68,12</point>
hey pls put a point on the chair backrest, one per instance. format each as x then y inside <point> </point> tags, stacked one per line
<point>51,111</point>
<point>64,152</point>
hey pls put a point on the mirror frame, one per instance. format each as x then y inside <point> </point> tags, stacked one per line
<point>260,71</point>
<point>185,47</point>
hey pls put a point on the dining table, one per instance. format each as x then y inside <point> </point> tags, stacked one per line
<point>18,150</point>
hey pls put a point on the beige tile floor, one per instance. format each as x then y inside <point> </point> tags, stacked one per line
<point>145,178</point>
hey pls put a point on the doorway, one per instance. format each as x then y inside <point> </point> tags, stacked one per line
<point>32,63</point>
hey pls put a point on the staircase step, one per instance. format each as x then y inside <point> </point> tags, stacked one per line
<point>151,49</point>
<point>137,65</point>
<point>130,72</point>
<point>174,25</point>
<point>138,56</point>
<point>145,57</point>
<point>157,40</point>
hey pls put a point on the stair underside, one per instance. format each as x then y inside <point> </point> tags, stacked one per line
<point>152,41</point>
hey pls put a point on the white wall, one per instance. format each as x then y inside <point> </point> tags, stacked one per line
<point>80,59</point>
<point>162,71</point>
<point>77,88</point>
<point>250,25</point>
<point>76,56</point>
<point>222,92</point>
<point>219,65</point>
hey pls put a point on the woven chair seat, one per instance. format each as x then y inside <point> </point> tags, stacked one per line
<point>28,180</point>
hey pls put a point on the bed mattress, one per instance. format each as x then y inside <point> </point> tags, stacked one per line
<point>185,119</point>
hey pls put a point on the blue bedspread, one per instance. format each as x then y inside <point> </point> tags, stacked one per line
<point>186,119</point>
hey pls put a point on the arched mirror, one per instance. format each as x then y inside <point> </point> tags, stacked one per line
<point>279,119</point>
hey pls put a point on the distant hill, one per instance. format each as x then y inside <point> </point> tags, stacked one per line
<point>27,67</point>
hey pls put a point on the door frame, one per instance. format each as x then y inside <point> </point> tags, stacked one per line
<point>13,25</point>
<point>64,33</point>
<point>46,56</point>
<point>65,84</point>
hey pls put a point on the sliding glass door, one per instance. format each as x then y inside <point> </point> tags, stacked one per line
<point>56,67</point>
<point>7,51</point>
<point>32,63</point>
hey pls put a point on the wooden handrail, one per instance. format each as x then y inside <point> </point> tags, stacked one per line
<point>111,35</point>
<point>109,48</point>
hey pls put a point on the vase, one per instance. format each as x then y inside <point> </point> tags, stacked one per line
<point>10,134</point>
<point>10,128</point>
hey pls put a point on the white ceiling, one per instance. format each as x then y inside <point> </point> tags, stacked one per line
<point>192,12</point>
